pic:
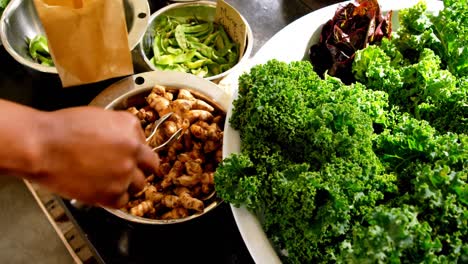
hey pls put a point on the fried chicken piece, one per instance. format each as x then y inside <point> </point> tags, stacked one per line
<point>194,102</point>
<point>158,103</point>
<point>149,129</point>
<point>185,94</point>
<point>152,194</point>
<point>175,172</point>
<point>188,201</point>
<point>181,106</point>
<point>164,169</point>
<point>133,110</point>
<point>187,180</point>
<point>194,115</point>
<point>161,91</point>
<point>207,182</point>
<point>170,201</point>
<point>173,150</point>
<point>147,113</point>
<point>175,213</point>
<point>194,167</point>
<point>183,157</point>
<point>211,146</point>
<point>142,208</point>
<point>197,152</point>
<point>205,131</point>
<point>169,128</point>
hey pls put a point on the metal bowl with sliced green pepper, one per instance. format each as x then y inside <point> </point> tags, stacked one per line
<point>184,37</point>
<point>39,50</point>
<point>23,36</point>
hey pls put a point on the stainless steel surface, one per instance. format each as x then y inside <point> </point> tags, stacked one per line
<point>20,21</point>
<point>204,10</point>
<point>116,97</point>
<point>26,235</point>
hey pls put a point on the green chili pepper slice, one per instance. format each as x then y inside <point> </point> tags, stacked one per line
<point>199,47</point>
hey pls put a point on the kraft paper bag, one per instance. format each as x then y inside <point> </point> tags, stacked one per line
<point>88,39</point>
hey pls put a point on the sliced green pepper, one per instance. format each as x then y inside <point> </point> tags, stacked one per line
<point>198,47</point>
<point>39,50</point>
<point>180,37</point>
<point>173,59</point>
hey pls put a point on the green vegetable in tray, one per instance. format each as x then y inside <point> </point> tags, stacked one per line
<point>373,172</point>
<point>419,68</point>
<point>190,45</point>
<point>337,173</point>
<point>39,50</point>
<point>3,4</point>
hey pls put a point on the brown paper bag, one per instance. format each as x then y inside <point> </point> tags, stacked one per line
<point>88,39</point>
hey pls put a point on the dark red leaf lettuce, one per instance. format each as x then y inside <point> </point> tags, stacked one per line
<point>353,27</point>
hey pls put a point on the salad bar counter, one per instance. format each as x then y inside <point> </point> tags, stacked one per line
<point>93,235</point>
<point>346,141</point>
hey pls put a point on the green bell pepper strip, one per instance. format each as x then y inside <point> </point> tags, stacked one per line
<point>225,50</point>
<point>174,51</point>
<point>180,37</point>
<point>201,72</point>
<point>162,46</point>
<point>214,69</point>
<point>208,40</point>
<point>173,59</point>
<point>203,49</point>
<point>38,45</point>
<point>47,61</point>
<point>233,55</point>
<point>197,47</point>
<point>39,50</point>
<point>203,28</point>
<point>156,48</point>
<point>219,43</point>
<point>192,39</point>
<point>218,59</point>
<point>198,63</point>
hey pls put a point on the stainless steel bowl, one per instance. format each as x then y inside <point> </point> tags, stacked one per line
<point>117,96</point>
<point>21,21</point>
<point>204,10</point>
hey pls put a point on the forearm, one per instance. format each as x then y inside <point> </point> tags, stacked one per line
<point>20,139</point>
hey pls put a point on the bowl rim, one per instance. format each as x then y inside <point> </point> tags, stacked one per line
<point>248,47</point>
<point>135,34</point>
<point>144,82</point>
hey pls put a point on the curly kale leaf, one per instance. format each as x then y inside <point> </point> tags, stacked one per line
<point>420,88</point>
<point>311,141</point>
<point>451,27</point>
<point>446,33</point>
<point>388,236</point>
<point>243,188</point>
<point>431,209</point>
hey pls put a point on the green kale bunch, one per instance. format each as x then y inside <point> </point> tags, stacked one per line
<point>336,174</point>
<point>373,172</point>
<point>307,166</point>
<point>428,221</point>
<point>424,67</point>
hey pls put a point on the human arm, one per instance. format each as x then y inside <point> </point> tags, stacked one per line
<point>87,153</point>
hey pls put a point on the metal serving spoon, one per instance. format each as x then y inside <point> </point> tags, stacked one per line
<point>173,138</point>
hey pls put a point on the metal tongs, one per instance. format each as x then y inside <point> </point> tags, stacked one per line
<point>173,138</point>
